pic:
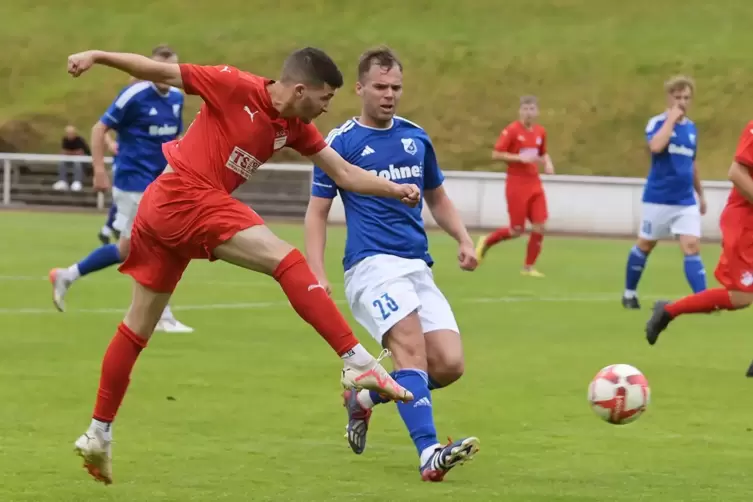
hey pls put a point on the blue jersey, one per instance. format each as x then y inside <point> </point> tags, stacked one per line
<point>670,180</point>
<point>402,153</point>
<point>144,119</point>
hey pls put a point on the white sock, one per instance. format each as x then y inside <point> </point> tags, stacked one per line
<point>104,427</point>
<point>629,294</point>
<point>358,356</point>
<point>427,453</point>
<point>106,231</point>
<point>73,272</point>
<point>364,399</point>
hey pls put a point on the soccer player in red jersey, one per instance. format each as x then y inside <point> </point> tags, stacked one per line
<point>522,145</point>
<point>735,268</point>
<point>188,213</point>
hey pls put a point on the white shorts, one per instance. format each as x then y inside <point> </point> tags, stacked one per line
<point>661,220</point>
<point>383,289</point>
<point>127,204</point>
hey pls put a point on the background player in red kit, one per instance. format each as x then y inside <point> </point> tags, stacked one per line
<point>522,145</point>
<point>188,213</point>
<point>735,268</point>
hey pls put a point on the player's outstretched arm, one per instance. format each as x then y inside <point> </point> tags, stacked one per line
<point>140,67</point>
<point>447,217</point>
<point>315,229</point>
<point>740,177</point>
<point>354,179</point>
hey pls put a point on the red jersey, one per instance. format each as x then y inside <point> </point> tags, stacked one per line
<point>237,129</point>
<point>518,139</point>
<point>744,157</point>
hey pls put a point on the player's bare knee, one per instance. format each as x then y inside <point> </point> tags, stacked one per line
<point>690,245</point>
<point>406,342</point>
<point>645,245</point>
<point>146,309</point>
<point>446,372</point>
<point>539,228</point>
<point>741,299</point>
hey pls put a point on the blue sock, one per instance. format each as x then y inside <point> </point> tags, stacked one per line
<point>433,384</point>
<point>100,258</point>
<point>376,398</point>
<point>418,415</point>
<point>111,216</point>
<point>635,265</point>
<point>695,273</point>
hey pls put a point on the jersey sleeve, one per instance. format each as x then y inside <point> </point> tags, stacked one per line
<point>504,142</point>
<point>322,185</point>
<point>118,111</point>
<point>307,140</point>
<point>433,177</point>
<point>215,84</point>
<point>653,127</point>
<point>744,153</point>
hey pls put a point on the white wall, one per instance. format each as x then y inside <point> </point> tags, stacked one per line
<point>579,204</point>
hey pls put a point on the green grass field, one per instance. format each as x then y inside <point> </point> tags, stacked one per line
<point>244,424</point>
<point>597,66</point>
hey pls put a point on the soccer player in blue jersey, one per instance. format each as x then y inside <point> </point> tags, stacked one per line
<point>388,280</point>
<point>669,204</point>
<point>145,115</point>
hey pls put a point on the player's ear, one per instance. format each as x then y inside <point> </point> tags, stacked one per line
<point>359,88</point>
<point>299,90</point>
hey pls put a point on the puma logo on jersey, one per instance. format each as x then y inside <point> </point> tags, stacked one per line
<point>226,69</point>
<point>398,173</point>
<point>250,113</point>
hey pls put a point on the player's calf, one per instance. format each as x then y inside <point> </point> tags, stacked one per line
<point>444,355</point>
<point>695,273</point>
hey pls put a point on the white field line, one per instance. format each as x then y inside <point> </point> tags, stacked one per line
<point>512,298</point>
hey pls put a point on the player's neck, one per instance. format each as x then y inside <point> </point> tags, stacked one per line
<point>276,93</point>
<point>527,125</point>
<point>373,123</point>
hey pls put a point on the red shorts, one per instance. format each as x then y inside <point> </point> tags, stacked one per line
<point>735,268</point>
<point>178,221</point>
<point>525,201</point>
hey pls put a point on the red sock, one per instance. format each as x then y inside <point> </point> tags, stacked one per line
<point>497,236</point>
<point>312,302</point>
<point>117,364</point>
<point>705,301</point>
<point>534,248</point>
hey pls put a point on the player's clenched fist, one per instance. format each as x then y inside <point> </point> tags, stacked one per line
<point>80,62</point>
<point>410,195</point>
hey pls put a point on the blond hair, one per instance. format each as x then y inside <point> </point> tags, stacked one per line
<point>679,83</point>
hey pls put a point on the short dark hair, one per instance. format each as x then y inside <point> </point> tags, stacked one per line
<point>312,67</point>
<point>382,56</point>
<point>163,51</point>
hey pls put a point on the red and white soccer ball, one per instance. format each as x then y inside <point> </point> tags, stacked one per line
<point>619,394</point>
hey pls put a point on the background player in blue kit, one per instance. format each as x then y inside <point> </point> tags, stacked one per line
<point>669,204</point>
<point>145,115</point>
<point>388,280</point>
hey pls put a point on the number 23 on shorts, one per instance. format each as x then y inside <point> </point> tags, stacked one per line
<point>386,305</point>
